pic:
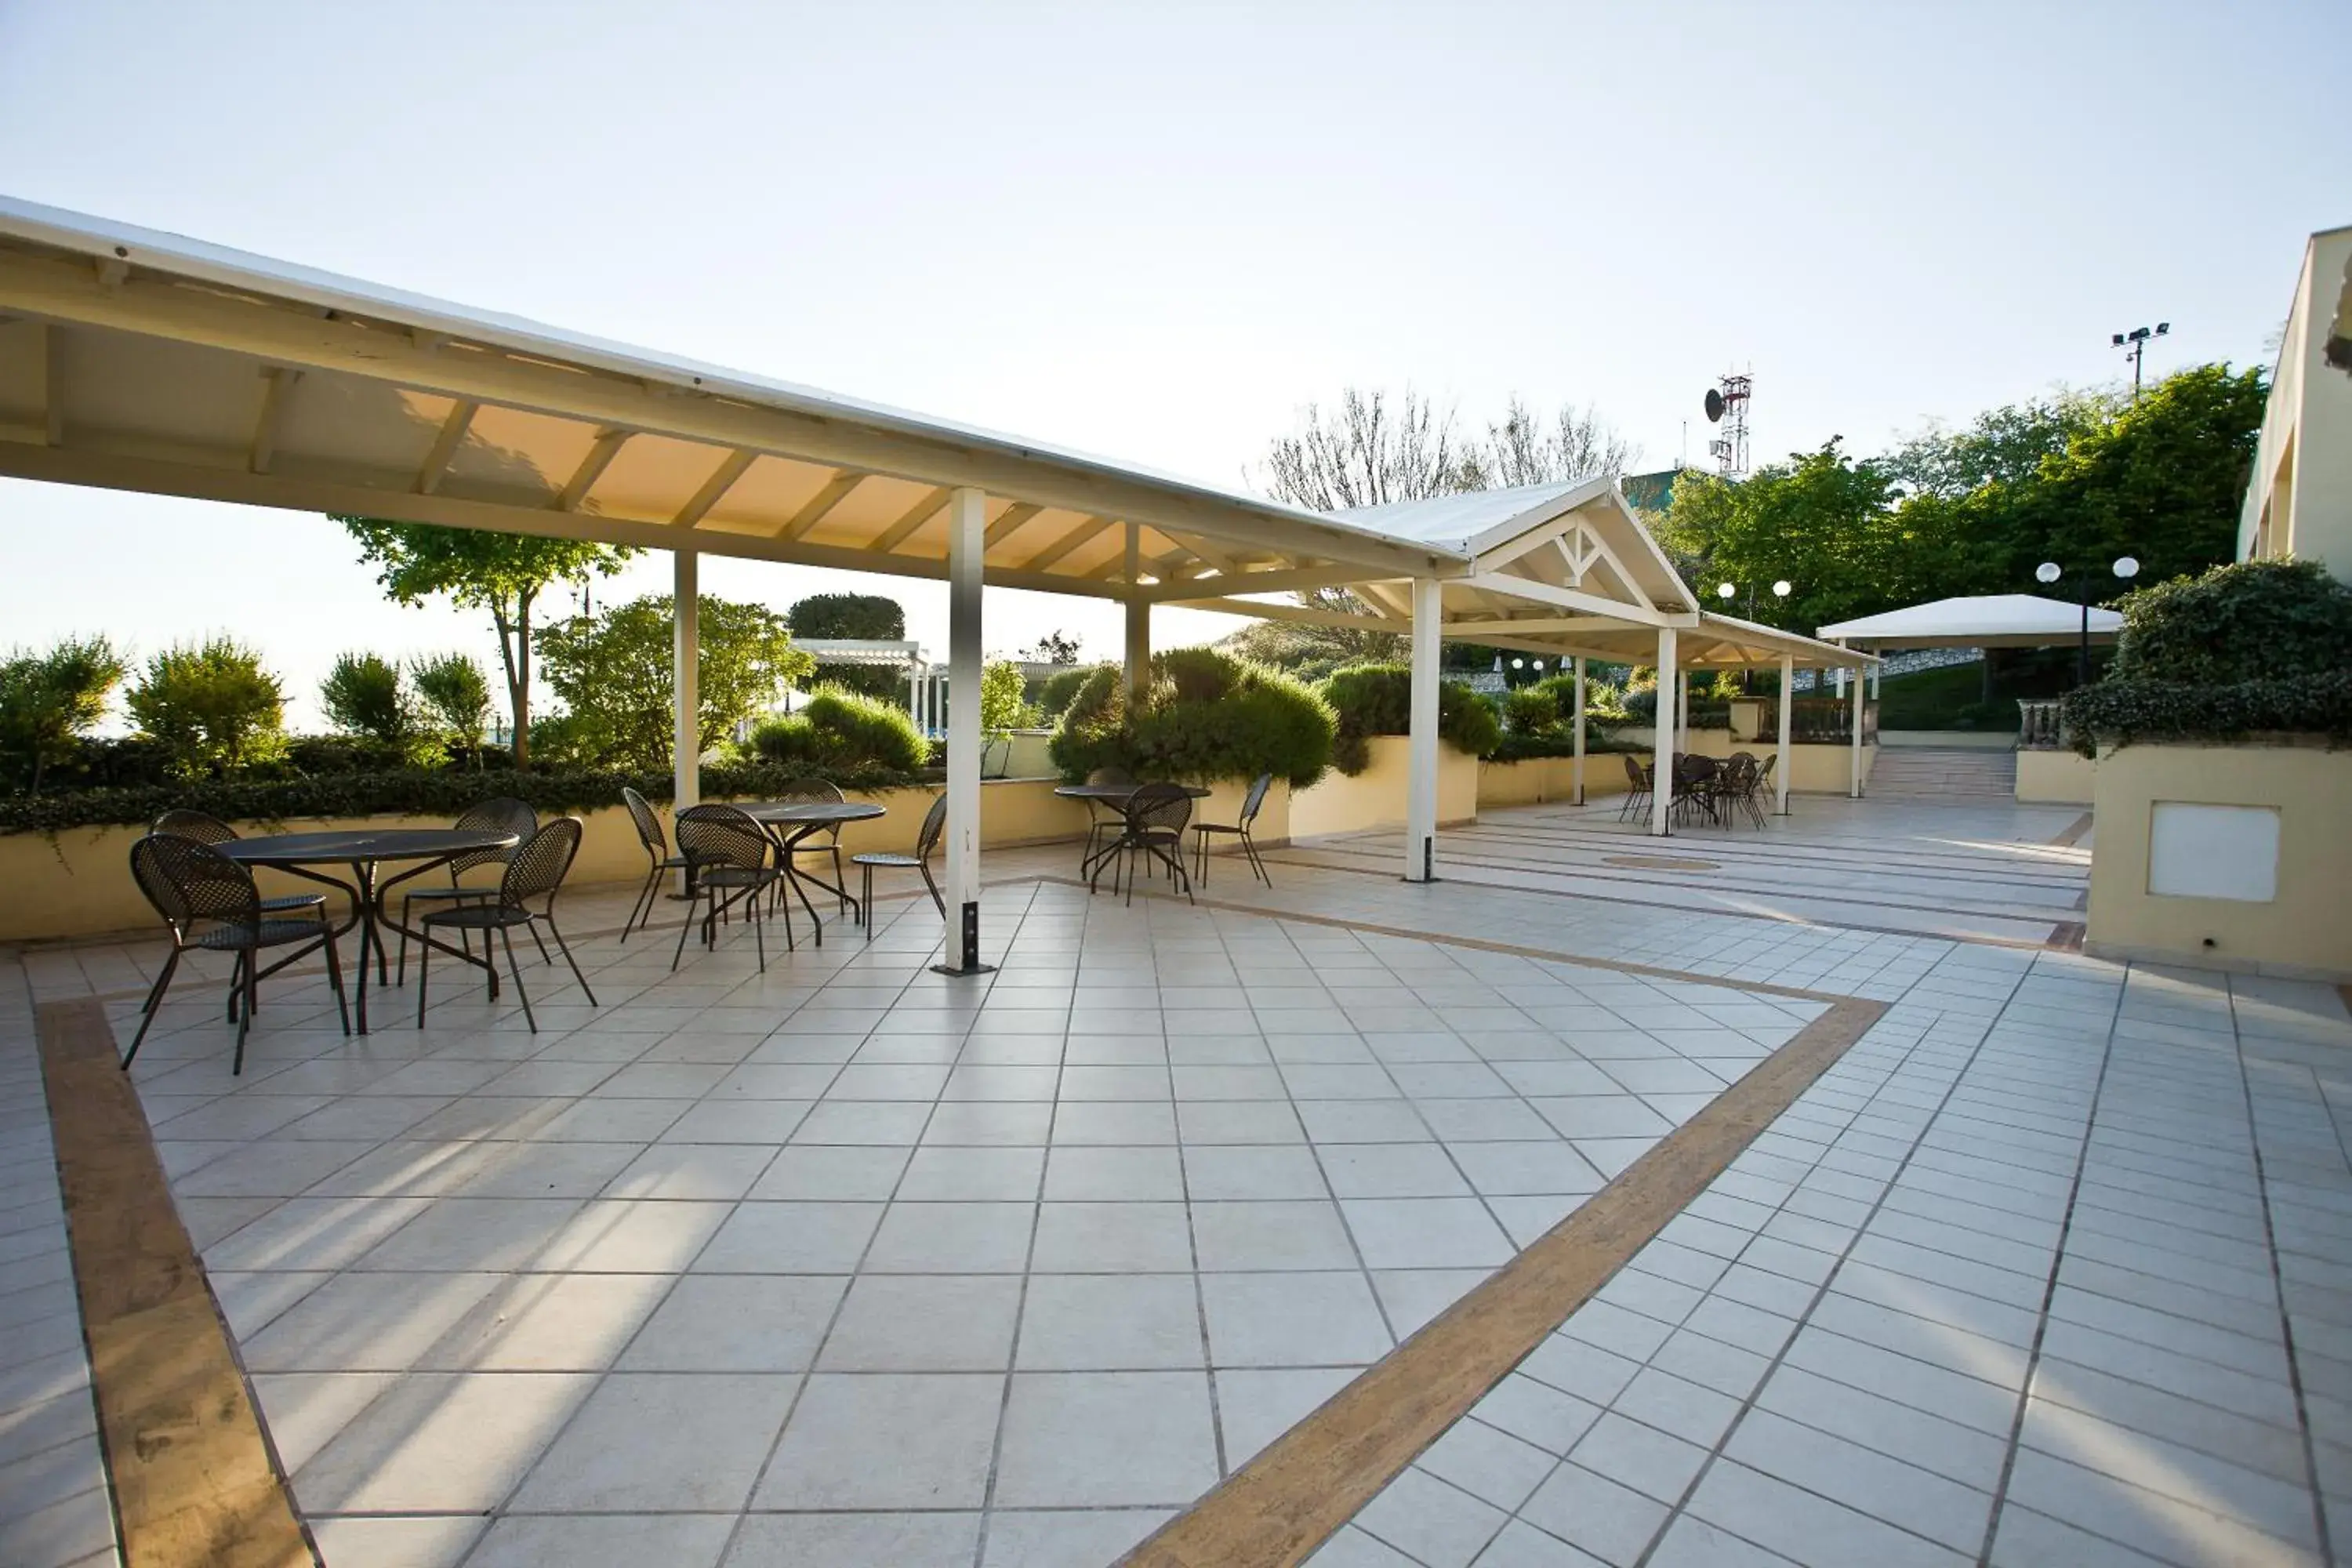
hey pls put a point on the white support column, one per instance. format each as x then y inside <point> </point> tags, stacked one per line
<point>1787,704</point>
<point>1682,711</point>
<point>1576,768</point>
<point>1421,749</point>
<point>1661,764</point>
<point>1139,646</point>
<point>967,527</point>
<point>684,675</point>
<point>1857,684</point>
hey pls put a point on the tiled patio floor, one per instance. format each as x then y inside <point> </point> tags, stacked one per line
<point>853,1263</point>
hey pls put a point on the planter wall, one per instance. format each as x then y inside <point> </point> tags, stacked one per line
<point>1538,780</point>
<point>2055,778</point>
<point>2223,856</point>
<point>79,883</point>
<point>1376,797</point>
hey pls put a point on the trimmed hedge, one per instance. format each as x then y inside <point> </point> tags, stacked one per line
<point>2121,711</point>
<point>2254,621</point>
<point>1377,699</point>
<point>416,792</point>
<point>1207,715</point>
<point>843,731</point>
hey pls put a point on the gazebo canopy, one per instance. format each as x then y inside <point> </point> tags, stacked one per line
<point>136,360</point>
<point>1987,620</point>
<point>1557,569</point>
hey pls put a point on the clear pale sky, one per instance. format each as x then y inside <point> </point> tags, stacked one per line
<point>1156,232</point>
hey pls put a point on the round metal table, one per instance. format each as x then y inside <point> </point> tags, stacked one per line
<point>1112,794</point>
<point>789,822</point>
<point>363,850</point>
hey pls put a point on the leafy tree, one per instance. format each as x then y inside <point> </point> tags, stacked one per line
<point>1823,520</point>
<point>2005,444</point>
<point>1055,646</point>
<point>456,694</point>
<point>49,700</point>
<point>870,616</point>
<point>1311,652</point>
<point>613,670</point>
<point>1002,687</point>
<point>212,705</point>
<point>1054,694</point>
<point>363,695</point>
<point>1204,715</point>
<point>501,573</point>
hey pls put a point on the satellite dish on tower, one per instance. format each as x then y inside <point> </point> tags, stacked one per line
<point>1714,406</point>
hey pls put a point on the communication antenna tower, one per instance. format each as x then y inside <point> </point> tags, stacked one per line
<point>1726,405</point>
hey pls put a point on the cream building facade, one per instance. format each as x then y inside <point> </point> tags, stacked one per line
<point>2299,502</point>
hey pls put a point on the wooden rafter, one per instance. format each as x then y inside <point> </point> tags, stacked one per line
<point>445,445</point>
<point>1084,533</point>
<point>834,491</point>
<point>601,452</point>
<point>913,518</point>
<point>722,479</point>
<point>1007,523</point>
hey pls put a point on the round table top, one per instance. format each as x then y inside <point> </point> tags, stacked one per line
<point>364,844</point>
<point>1118,791</point>
<point>786,813</point>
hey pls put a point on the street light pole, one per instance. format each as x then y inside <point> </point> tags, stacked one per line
<point>2137,339</point>
<point>2126,568</point>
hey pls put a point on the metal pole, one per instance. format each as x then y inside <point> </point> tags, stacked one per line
<point>1661,767</point>
<point>684,674</point>
<point>1787,702</point>
<point>2083,648</point>
<point>967,529</point>
<point>1575,769</point>
<point>1856,791</point>
<point>1421,746</point>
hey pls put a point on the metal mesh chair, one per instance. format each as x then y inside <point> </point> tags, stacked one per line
<point>727,865</point>
<point>1637,789</point>
<point>657,857</point>
<point>207,829</point>
<point>209,901</point>
<point>927,841</point>
<point>1152,830</point>
<point>503,814</point>
<point>1692,780</point>
<point>1734,786</point>
<point>1104,816</point>
<point>1251,804</point>
<point>535,870</point>
<point>824,840</point>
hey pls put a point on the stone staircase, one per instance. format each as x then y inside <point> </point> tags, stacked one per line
<point>1935,773</point>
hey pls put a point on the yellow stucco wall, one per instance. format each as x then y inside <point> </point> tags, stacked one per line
<point>79,884</point>
<point>2055,778</point>
<point>1376,797</point>
<point>1538,780</point>
<point>2301,930</point>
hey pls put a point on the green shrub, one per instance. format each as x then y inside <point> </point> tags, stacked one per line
<point>1055,693</point>
<point>212,705</point>
<point>843,730</point>
<point>1207,715</point>
<point>1531,709</point>
<point>2121,711</point>
<point>440,793</point>
<point>49,701</point>
<point>364,695</point>
<point>1377,699</point>
<point>456,695</point>
<point>2254,621</point>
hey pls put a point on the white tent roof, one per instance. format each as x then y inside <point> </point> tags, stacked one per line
<point>1987,620</point>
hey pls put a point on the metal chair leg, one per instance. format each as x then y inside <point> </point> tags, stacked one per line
<point>572,961</point>
<point>424,968</point>
<point>244,1025</point>
<point>154,1002</point>
<point>865,886</point>
<point>516,970</point>
<point>335,972</point>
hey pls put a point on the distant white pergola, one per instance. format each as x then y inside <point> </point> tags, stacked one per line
<point>140,361</point>
<point>925,686</point>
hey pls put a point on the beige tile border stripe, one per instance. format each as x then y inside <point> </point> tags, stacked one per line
<point>193,1477</point>
<point>1278,1508</point>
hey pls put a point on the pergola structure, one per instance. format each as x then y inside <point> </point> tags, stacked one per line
<point>1565,569</point>
<point>140,361</point>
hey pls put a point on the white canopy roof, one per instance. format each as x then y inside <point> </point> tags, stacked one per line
<point>1987,620</point>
